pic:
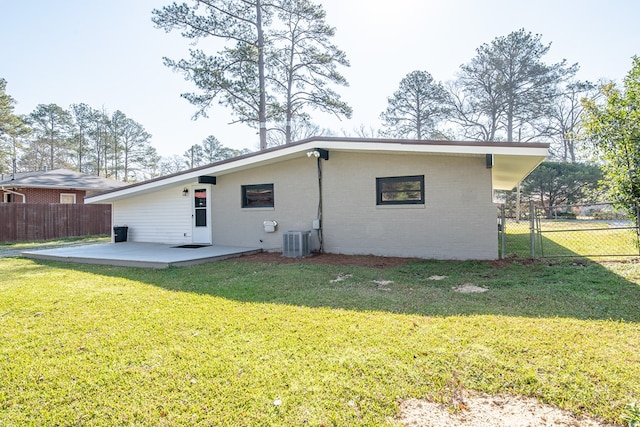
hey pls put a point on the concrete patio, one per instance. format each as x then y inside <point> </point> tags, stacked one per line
<point>146,255</point>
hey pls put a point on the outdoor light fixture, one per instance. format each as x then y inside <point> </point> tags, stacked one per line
<point>489,160</point>
<point>185,192</point>
<point>318,153</point>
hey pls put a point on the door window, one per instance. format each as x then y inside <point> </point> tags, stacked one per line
<point>200,206</point>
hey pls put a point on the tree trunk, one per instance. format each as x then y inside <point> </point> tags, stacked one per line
<point>289,111</point>
<point>572,151</point>
<point>510,124</point>
<point>262,108</point>
<point>52,142</point>
<point>80,148</point>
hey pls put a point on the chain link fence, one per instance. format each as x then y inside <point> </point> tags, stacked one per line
<point>595,230</point>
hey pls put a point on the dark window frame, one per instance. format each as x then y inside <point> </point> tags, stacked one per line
<point>380,191</point>
<point>251,201</point>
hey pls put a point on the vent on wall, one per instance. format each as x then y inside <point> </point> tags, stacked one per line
<point>296,244</point>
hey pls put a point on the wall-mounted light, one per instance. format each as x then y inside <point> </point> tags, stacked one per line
<point>489,160</point>
<point>318,153</point>
<point>185,192</point>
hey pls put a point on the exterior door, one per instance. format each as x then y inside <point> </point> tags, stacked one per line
<point>201,214</point>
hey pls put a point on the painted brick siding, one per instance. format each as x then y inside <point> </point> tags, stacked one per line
<point>457,221</point>
<point>47,195</point>
<point>295,188</point>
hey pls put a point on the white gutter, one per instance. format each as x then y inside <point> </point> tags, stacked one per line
<point>6,190</point>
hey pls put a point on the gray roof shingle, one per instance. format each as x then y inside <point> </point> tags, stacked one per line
<point>60,178</point>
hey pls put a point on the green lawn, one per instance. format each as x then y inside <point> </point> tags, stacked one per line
<point>570,238</point>
<point>237,343</point>
<point>43,244</point>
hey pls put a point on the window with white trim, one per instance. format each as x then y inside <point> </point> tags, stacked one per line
<point>67,198</point>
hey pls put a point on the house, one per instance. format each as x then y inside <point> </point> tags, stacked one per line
<point>426,199</point>
<point>53,186</point>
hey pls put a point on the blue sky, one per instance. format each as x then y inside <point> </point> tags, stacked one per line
<point>108,54</point>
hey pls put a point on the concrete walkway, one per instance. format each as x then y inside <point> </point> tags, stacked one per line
<point>133,254</point>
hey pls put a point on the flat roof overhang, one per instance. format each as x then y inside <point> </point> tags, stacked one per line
<point>512,162</point>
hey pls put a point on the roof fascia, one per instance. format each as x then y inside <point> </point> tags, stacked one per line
<point>283,152</point>
<point>232,165</point>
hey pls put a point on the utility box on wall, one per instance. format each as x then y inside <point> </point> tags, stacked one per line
<point>270,226</point>
<point>296,244</point>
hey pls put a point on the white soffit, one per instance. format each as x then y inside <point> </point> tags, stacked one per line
<point>509,170</point>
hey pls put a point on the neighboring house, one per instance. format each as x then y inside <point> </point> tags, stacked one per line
<point>426,199</point>
<point>54,186</point>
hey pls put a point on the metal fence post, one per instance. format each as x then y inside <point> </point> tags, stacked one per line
<point>638,226</point>
<point>532,227</point>
<point>503,231</point>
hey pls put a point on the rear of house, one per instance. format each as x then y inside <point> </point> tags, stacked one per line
<point>380,197</point>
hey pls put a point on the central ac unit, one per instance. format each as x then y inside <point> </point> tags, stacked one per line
<point>296,244</point>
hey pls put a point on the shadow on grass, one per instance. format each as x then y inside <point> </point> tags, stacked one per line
<point>561,288</point>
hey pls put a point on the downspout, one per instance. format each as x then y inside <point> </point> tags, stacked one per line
<point>6,190</point>
<point>319,213</point>
<point>320,155</point>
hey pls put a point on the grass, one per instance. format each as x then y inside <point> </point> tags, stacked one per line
<point>242,344</point>
<point>41,244</point>
<point>570,238</point>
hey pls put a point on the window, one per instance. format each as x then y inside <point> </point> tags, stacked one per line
<point>200,206</point>
<point>401,190</point>
<point>257,196</point>
<point>67,198</point>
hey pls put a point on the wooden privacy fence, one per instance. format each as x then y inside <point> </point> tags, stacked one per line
<point>29,222</point>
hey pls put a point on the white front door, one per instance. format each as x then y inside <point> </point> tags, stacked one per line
<point>201,214</point>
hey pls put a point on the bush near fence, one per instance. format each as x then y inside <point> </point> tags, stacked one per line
<point>32,222</point>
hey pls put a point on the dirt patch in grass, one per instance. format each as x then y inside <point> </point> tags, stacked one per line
<point>341,278</point>
<point>484,410</point>
<point>469,288</point>
<point>360,260</point>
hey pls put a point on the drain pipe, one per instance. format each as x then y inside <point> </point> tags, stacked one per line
<point>6,190</point>
<point>319,213</point>
<point>320,154</point>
